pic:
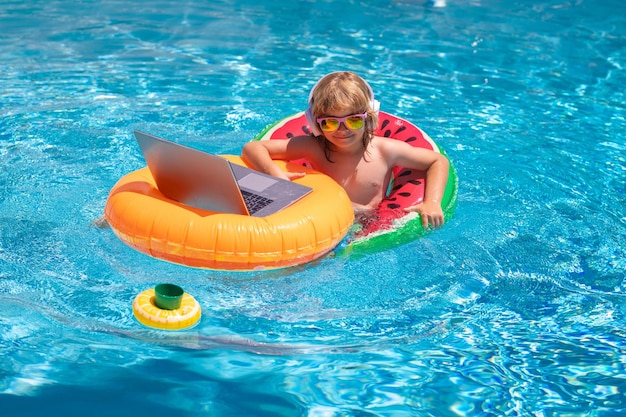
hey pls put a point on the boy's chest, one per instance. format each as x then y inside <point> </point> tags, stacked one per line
<point>363,179</point>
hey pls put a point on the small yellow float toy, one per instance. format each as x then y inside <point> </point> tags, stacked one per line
<point>166,307</point>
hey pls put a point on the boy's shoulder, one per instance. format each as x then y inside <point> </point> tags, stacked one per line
<point>388,147</point>
<point>381,141</point>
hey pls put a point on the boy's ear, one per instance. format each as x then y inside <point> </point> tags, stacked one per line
<point>375,105</point>
<point>312,123</point>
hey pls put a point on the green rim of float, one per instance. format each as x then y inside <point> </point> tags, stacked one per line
<point>405,228</point>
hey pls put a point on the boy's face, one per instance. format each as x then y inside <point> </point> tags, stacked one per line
<point>344,137</point>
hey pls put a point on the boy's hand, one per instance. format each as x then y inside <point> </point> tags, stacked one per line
<point>295,175</point>
<point>430,212</point>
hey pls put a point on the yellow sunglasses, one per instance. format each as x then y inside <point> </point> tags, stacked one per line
<point>352,122</point>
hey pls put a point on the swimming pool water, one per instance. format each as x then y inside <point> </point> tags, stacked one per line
<point>515,307</point>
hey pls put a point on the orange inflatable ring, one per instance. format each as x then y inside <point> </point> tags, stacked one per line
<point>146,220</point>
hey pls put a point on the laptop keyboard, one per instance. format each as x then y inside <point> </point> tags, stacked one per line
<point>255,202</point>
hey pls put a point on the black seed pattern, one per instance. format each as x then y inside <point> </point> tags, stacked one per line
<point>401,129</point>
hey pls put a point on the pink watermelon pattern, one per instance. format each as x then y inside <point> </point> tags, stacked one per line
<point>408,185</point>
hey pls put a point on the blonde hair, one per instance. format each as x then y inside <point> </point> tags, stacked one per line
<point>338,91</point>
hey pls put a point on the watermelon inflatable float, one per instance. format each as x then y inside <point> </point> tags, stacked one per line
<point>390,225</point>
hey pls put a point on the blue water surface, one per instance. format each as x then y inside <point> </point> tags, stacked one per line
<point>516,307</point>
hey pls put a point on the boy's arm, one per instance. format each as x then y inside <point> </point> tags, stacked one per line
<point>436,179</point>
<point>436,166</point>
<point>261,153</point>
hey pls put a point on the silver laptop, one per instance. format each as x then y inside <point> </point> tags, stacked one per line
<point>210,182</point>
